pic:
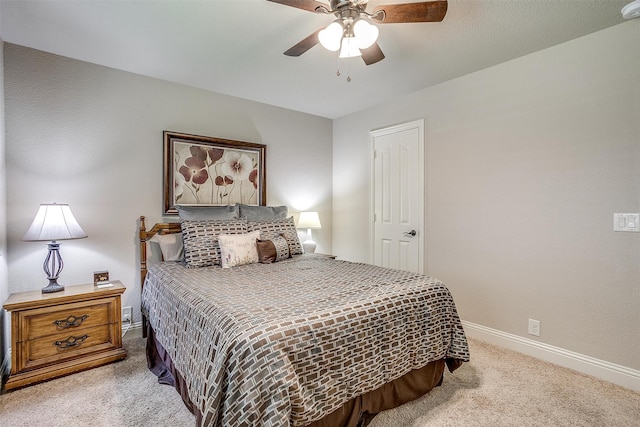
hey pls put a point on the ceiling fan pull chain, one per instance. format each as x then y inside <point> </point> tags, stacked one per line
<point>346,64</point>
<point>348,72</point>
<point>348,76</point>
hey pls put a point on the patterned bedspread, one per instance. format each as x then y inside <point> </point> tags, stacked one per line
<point>288,343</point>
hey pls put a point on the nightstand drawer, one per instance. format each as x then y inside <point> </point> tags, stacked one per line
<point>66,345</point>
<point>67,318</point>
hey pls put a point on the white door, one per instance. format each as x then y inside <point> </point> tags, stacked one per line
<point>398,196</point>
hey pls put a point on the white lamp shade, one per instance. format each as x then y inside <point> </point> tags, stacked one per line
<point>54,222</point>
<point>330,37</point>
<point>365,33</point>
<point>309,220</point>
<point>349,48</point>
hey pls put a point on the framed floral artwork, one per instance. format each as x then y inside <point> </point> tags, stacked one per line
<point>209,171</point>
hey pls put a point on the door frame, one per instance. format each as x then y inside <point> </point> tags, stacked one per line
<point>415,124</point>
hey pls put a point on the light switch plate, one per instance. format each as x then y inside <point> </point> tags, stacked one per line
<point>626,222</point>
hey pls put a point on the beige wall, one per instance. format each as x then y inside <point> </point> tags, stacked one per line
<point>91,136</point>
<point>526,163</point>
<point>4,283</point>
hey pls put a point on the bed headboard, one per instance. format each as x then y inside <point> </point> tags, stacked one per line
<point>145,235</point>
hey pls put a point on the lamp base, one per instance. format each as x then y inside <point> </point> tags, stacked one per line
<point>52,287</point>
<point>309,246</point>
<point>52,268</point>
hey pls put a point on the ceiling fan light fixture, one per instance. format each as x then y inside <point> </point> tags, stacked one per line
<point>330,37</point>
<point>632,10</point>
<point>365,33</point>
<point>349,48</point>
<point>351,12</point>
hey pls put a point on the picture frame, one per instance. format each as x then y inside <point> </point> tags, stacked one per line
<point>210,171</point>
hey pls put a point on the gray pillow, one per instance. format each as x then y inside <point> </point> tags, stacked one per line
<point>154,252</point>
<point>262,213</point>
<point>278,227</point>
<point>201,213</point>
<point>201,246</point>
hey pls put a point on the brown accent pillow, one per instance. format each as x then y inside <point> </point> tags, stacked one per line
<point>273,250</point>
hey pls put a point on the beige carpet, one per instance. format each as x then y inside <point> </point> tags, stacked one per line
<point>498,388</point>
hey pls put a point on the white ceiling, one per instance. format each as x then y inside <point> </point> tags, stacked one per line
<point>235,46</point>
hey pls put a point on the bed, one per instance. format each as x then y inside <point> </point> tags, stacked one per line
<point>305,341</point>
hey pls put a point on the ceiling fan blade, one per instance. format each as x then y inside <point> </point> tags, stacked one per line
<point>427,11</point>
<point>310,5</point>
<point>372,54</point>
<point>304,45</point>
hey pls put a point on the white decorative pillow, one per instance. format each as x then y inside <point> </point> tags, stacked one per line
<point>171,246</point>
<point>238,249</point>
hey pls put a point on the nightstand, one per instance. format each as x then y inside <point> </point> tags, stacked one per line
<point>60,333</point>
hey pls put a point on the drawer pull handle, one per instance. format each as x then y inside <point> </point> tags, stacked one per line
<point>70,321</point>
<point>70,342</point>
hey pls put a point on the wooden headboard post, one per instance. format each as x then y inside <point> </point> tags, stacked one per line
<point>144,236</point>
<point>143,251</point>
<point>142,233</point>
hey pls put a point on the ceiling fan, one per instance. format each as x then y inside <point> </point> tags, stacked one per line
<point>353,32</point>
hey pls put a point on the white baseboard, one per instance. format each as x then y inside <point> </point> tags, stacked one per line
<point>617,374</point>
<point>6,364</point>
<point>133,327</point>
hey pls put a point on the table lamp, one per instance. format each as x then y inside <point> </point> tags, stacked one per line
<point>53,222</point>
<point>309,220</point>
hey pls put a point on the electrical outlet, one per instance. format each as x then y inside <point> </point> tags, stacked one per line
<point>534,327</point>
<point>626,222</point>
<point>126,314</point>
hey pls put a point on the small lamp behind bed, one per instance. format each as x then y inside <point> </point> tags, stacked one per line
<point>309,220</point>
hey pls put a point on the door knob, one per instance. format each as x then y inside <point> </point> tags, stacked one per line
<point>411,233</point>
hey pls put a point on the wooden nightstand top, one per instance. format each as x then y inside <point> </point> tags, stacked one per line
<point>326,255</point>
<point>34,299</point>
